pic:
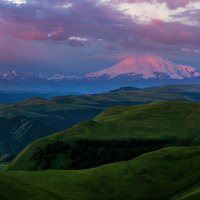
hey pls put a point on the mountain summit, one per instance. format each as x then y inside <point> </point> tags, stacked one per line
<point>147,67</point>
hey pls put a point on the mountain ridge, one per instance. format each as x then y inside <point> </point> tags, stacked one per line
<point>146,67</point>
<point>136,71</point>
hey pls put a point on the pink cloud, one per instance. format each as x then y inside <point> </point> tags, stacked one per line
<point>87,19</point>
<point>45,24</point>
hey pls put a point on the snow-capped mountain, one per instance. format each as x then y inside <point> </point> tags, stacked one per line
<point>18,76</point>
<point>10,75</point>
<point>147,67</point>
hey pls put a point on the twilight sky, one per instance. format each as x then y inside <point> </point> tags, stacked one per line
<point>80,36</point>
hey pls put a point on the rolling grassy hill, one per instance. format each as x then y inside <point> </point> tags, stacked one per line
<point>127,137</point>
<point>170,173</point>
<point>25,121</point>
<point>119,133</point>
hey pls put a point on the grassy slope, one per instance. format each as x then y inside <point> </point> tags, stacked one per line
<point>160,175</point>
<point>168,120</point>
<point>177,123</point>
<point>191,194</point>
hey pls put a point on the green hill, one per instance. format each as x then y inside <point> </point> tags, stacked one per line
<point>161,175</point>
<point>25,121</point>
<point>118,134</point>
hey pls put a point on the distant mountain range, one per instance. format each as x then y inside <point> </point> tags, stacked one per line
<point>138,71</point>
<point>14,75</point>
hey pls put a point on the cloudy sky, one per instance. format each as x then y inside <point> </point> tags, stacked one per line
<point>80,36</point>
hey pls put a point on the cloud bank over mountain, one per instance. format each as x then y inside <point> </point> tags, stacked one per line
<point>65,34</point>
